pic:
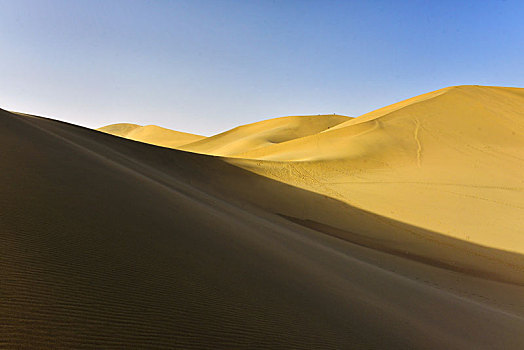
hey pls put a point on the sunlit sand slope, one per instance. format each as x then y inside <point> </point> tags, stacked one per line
<point>451,162</point>
<point>152,134</point>
<point>259,135</point>
<point>120,129</point>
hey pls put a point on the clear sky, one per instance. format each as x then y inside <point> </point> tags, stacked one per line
<point>207,66</point>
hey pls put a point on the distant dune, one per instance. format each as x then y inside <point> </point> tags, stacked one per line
<point>120,129</point>
<point>451,161</point>
<point>239,140</point>
<point>399,229</point>
<point>266,133</point>
<point>152,134</point>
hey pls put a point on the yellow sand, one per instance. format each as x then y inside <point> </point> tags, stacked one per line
<point>152,134</point>
<point>400,229</point>
<point>451,161</point>
<point>266,133</point>
<point>120,129</point>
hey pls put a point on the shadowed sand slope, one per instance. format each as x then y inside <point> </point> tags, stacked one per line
<point>110,243</point>
<point>152,134</point>
<point>262,134</point>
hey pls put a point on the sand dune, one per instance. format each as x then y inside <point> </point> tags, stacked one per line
<point>398,229</point>
<point>262,134</point>
<point>450,161</point>
<point>152,134</point>
<point>120,129</point>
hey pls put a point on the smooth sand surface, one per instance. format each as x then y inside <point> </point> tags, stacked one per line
<point>257,136</point>
<point>352,243</point>
<point>451,162</point>
<point>152,134</point>
<point>120,129</point>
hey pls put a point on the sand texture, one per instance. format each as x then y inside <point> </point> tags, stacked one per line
<point>152,134</point>
<point>400,229</point>
<point>258,136</point>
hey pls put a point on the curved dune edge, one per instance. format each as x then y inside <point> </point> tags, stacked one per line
<point>119,129</point>
<point>132,245</point>
<point>449,162</point>
<point>259,135</point>
<point>151,134</point>
<point>263,134</point>
<point>234,142</point>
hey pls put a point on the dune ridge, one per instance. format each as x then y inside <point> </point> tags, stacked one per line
<point>152,134</point>
<point>457,155</point>
<point>259,135</point>
<point>397,229</point>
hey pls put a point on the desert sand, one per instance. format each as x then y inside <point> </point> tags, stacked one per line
<point>152,134</point>
<point>257,136</point>
<point>398,229</point>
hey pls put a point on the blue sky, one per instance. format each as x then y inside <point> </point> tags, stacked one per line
<point>207,66</point>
